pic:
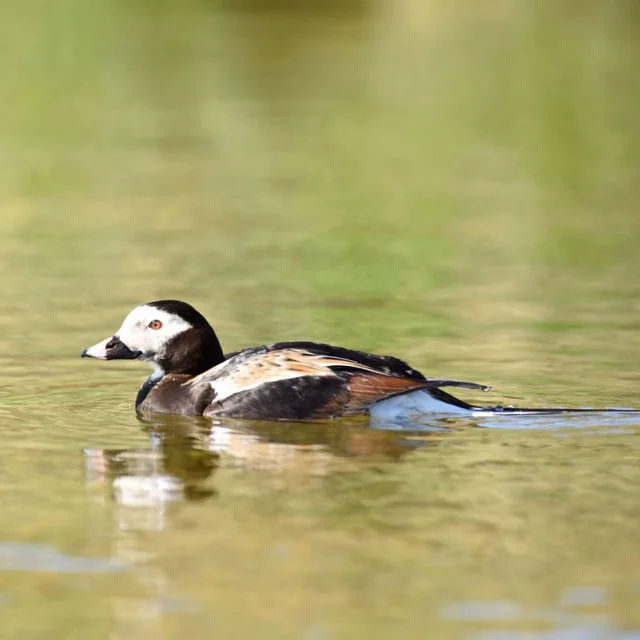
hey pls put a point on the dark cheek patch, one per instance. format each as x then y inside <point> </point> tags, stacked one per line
<point>191,352</point>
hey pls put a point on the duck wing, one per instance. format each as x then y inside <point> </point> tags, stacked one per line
<point>308,380</point>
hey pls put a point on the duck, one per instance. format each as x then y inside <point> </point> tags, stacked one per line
<point>291,381</point>
<point>280,381</point>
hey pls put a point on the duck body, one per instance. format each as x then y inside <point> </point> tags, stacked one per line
<point>296,381</point>
<point>281,381</point>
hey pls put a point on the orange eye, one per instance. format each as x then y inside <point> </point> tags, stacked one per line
<point>155,324</point>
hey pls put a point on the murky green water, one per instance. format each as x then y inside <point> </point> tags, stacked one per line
<point>453,183</point>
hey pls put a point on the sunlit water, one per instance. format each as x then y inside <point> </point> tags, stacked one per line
<point>456,184</point>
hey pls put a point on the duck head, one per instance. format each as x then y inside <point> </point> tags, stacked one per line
<point>168,334</point>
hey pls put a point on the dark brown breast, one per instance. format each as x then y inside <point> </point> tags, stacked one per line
<point>172,395</point>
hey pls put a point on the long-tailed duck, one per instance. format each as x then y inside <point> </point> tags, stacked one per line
<point>281,381</point>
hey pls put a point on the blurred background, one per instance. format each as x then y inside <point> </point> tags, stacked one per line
<point>455,183</point>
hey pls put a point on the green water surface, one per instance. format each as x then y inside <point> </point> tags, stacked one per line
<point>455,183</point>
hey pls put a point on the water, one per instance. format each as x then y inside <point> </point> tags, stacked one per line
<point>452,183</point>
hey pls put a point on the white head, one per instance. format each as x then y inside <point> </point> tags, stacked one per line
<point>148,329</point>
<point>165,333</point>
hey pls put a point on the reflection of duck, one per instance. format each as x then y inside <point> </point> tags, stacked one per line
<point>185,451</point>
<point>147,480</point>
<point>315,448</point>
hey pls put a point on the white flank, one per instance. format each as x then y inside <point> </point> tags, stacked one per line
<point>412,404</point>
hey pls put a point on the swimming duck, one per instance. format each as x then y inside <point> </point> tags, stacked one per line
<point>281,381</point>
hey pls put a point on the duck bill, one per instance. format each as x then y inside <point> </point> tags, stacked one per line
<point>110,349</point>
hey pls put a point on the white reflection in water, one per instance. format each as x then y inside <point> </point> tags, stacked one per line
<point>575,633</point>
<point>615,421</point>
<point>489,610</point>
<point>39,557</point>
<point>249,450</point>
<point>142,492</point>
<point>567,624</point>
<point>584,596</point>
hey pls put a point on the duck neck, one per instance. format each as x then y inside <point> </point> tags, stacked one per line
<point>190,353</point>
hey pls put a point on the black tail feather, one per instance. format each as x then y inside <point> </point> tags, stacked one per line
<point>443,382</point>
<point>435,384</point>
<point>509,410</point>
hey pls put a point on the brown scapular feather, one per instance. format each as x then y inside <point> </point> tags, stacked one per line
<point>367,388</point>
